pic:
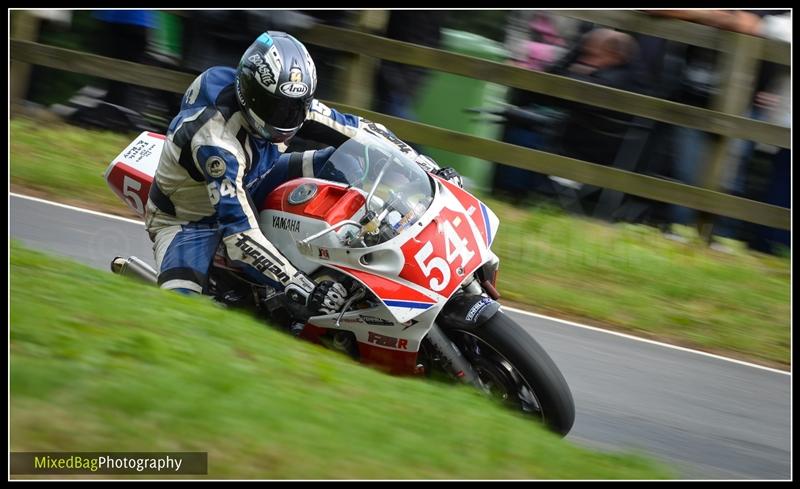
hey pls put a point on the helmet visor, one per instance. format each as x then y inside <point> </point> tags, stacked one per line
<point>281,112</point>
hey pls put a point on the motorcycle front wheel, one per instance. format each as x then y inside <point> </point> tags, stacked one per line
<point>513,367</point>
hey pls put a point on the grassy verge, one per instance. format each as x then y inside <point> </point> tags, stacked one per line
<point>102,363</point>
<point>629,277</point>
<point>622,277</point>
<point>66,163</point>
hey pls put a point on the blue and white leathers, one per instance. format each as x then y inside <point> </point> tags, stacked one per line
<point>211,171</point>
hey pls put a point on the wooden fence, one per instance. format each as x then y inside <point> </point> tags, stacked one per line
<point>740,54</point>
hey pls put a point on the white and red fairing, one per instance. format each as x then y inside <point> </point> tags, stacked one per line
<point>413,274</point>
<point>131,173</point>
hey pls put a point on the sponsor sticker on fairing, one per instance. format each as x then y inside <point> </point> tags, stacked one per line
<point>371,320</point>
<point>375,321</point>
<point>477,308</point>
<point>286,224</point>
<point>387,341</point>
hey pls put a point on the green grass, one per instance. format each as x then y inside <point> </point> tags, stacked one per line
<point>625,277</point>
<point>102,363</point>
<point>630,277</point>
<point>65,162</point>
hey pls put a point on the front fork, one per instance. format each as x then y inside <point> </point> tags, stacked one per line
<point>454,360</point>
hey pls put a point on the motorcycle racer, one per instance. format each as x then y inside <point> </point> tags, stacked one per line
<point>225,149</point>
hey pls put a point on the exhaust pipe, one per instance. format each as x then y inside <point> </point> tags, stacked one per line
<point>134,267</point>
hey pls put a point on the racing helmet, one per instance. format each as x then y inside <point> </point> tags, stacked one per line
<point>275,84</point>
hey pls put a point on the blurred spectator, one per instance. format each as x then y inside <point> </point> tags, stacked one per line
<point>700,82</point>
<point>536,40</point>
<point>546,46</point>
<point>698,86</point>
<point>773,103</point>
<point>776,26</point>
<point>602,56</point>
<point>605,58</point>
<point>754,23</point>
<point>397,84</point>
<point>124,36</point>
<point>120,34</point>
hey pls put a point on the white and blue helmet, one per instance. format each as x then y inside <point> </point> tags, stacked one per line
<point>275,84</point>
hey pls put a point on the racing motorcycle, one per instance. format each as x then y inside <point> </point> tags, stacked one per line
<point>415,251</point>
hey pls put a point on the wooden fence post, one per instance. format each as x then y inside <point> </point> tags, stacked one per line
<point>738,71</point>
<point>357,79</point>
<point>25,26</point>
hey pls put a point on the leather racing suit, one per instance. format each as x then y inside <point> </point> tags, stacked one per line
<point>211,171</point>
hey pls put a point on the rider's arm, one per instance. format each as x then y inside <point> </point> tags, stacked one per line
<point>329,126</point>
<point>224,163</point>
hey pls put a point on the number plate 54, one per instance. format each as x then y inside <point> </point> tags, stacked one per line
<point>442,254</point>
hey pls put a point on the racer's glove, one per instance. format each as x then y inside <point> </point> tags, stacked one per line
<point>326,297</point>
<point>450,175</point>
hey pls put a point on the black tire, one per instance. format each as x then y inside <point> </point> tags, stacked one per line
<point>528,358</point>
